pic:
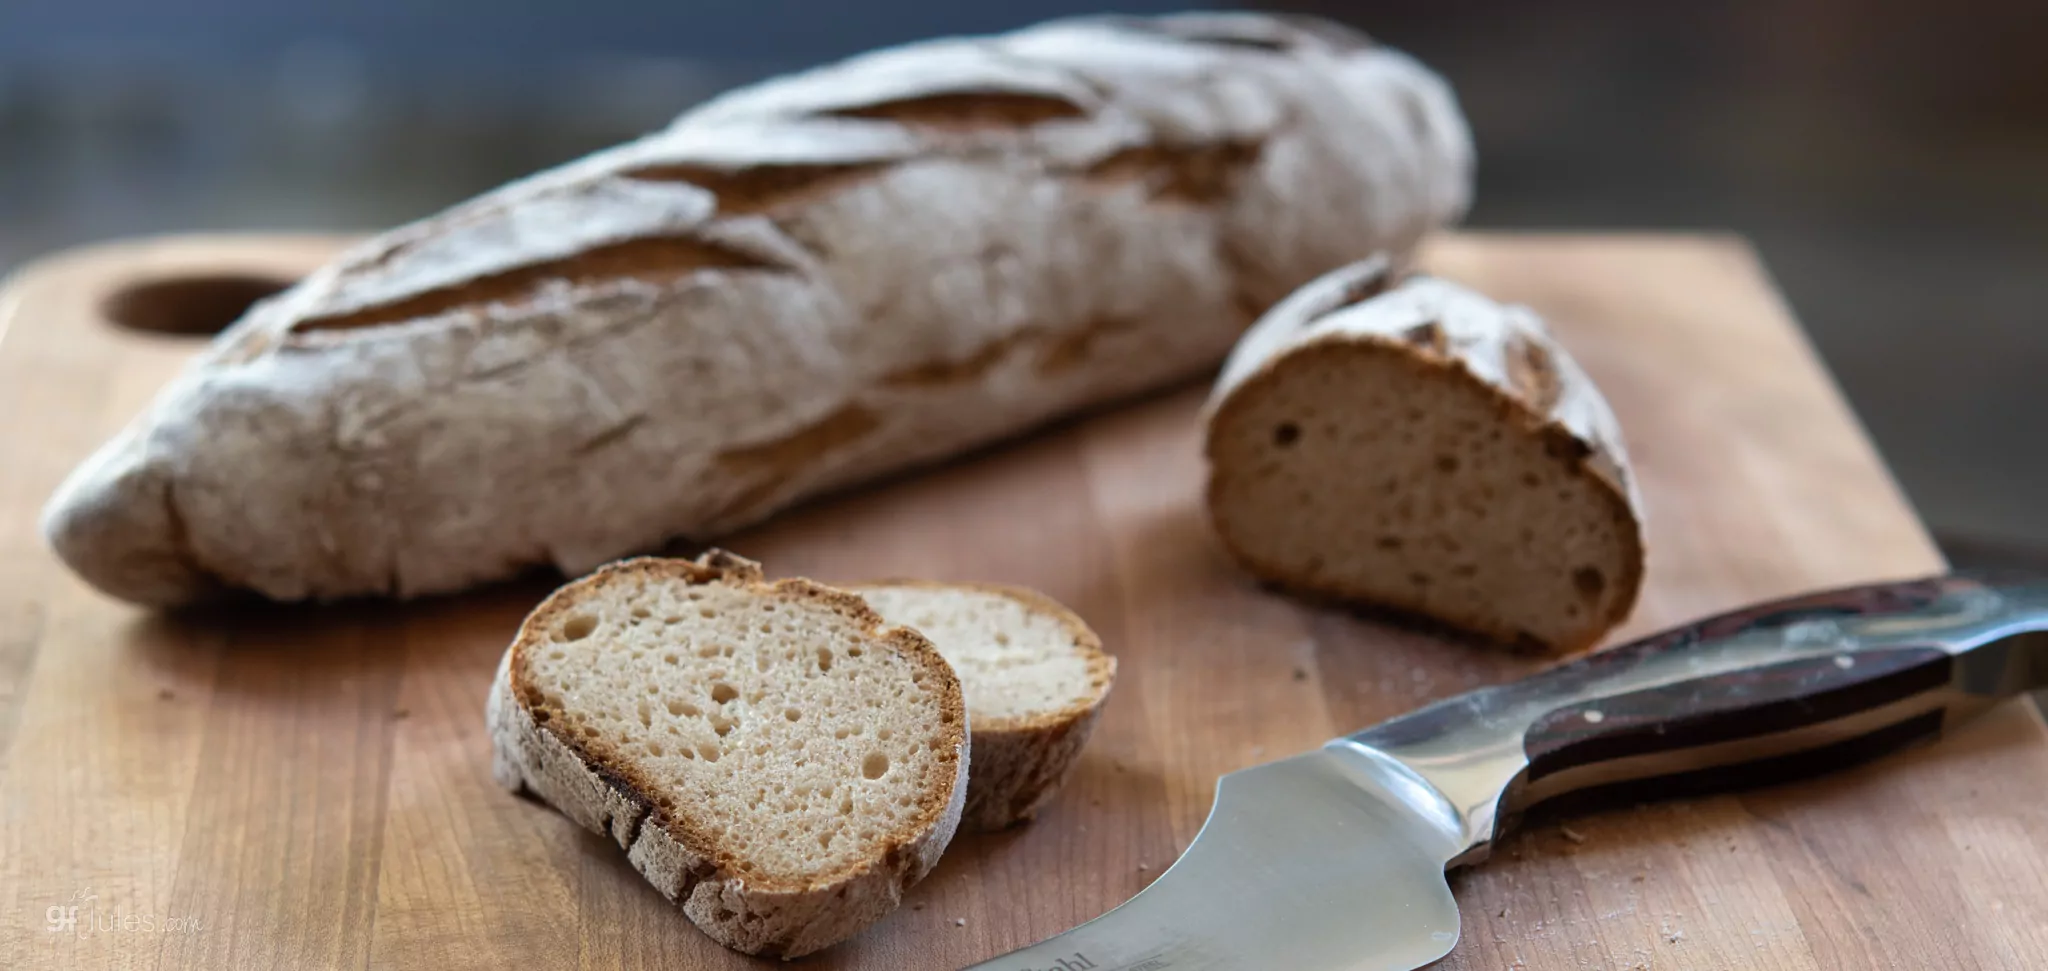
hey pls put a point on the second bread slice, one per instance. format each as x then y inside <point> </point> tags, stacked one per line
<point>1034,676</point>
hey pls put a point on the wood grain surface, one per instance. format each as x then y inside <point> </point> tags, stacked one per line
<point>309,787</point>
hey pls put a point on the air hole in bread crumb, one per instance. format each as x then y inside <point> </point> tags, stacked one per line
<point>642,613</point>
<point>708,651</point>
<point>706,613</point>
<point>646,717</point>
<point>682,709</point>
<point>555,655</point>
<point>708,751</point>
<point>846,805</point>
<point>841,732</point>
<point>824,659</point>
<point>1286,433</point>
<point>722,692</point>
<point>875,765</point>
<point>669,658</point>
<point>723,726</point>
<point>854,651</point>
<point>885,734</point>
<point>1002,639</point>
<point>1590,581</point>
<point>578,627</point>
<point>654,749</point>
<point>792,714</point>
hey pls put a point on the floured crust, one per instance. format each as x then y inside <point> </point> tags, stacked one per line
<point>1020,762</point>
<point>798,286</point>
<point>595,786</point>
<point>1534,387</point>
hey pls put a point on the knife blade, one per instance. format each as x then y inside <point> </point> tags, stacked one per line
<point>1335,859</point>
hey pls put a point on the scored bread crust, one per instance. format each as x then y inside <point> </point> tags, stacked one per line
<point>800,285</point>
<point>1020,762</point>
<point>588,781</point>
<point>1533,384</point>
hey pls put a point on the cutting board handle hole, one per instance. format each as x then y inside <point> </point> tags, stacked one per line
<point>188,305</point>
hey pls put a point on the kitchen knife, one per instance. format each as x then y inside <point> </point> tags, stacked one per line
<point>1334,860</point>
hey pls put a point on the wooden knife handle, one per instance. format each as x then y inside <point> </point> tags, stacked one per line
<point>1901,667</point>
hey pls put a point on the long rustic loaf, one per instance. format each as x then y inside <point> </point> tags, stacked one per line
<point>797,286</point>
<point>1418,446</point>
<point>1034,676</point>
<point>772,757</point>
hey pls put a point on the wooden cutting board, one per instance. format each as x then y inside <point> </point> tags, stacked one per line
<point>309,787</point>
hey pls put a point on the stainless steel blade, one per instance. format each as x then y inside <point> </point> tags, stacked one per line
<point>1329,861</point>
<point>1335,860</point>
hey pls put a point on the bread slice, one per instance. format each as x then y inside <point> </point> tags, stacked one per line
<point>773,757</point>
<point>1417,446</point>
<point>1034,675</point>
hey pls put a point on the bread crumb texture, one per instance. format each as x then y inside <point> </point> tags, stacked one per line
<point>786,738</point>
<point>1017,661</point>
<point>1035,677</point>
<point>1428,450</point>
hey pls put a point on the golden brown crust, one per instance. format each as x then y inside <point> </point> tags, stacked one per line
<point>898,851</point>
<point>1573,455</point>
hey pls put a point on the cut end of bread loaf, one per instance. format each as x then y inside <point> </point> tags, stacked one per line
<point>1034,676</point>
<point>1411,458</point>
<point>774,757</point>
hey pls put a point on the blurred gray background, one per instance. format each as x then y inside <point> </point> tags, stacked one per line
<point>1888,160</point>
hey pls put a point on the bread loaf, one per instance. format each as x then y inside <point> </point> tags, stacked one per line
<point>772,757</point>
<point>1034,677</point>
<point>797,286</point>
<point>1417,446</point>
